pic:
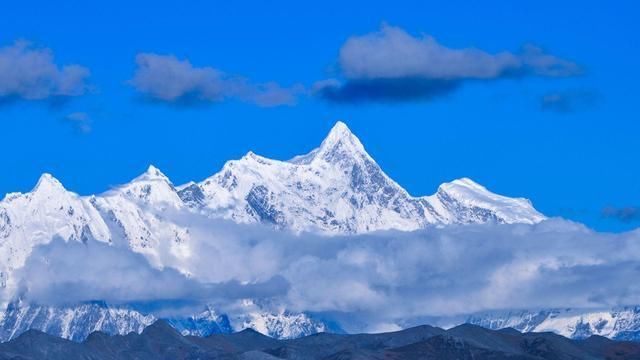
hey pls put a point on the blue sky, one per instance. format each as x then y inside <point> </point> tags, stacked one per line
<point>573,157</point>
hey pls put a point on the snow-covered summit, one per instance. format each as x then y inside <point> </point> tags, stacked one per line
<point>462,195</point>
<point>339,144</point>
<point>151,187</point>
<point>46,213</point>
<point>48,184</point>
<point>135,211</point>
<point>339,188</point>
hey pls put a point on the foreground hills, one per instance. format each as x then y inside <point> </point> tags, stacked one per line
<point>161,341</point>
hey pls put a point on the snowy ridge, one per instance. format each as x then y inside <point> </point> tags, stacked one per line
<point>74,323</point>
<point>276,322</point>
<point>622,323</point>
<point>204,323</point>
<point>78,321</point>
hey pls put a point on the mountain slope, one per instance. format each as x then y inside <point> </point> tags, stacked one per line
<point>136,213</point>
<point>46,213</point>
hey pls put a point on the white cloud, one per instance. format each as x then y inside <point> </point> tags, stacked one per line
<point>362,281</point>
<point>169,79</point>
<point>30,73</point>
<point>391,65</point>
<point>393,53</point>
<point>81,121</point>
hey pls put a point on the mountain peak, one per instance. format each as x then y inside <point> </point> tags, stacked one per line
<point>341,133</point>
<point>466,188</point>
<point>466,183</point>
<point>339,143</point>
<point>152,173</point>
<point>340,127</point>
<point>48,183</point>
<point>510,210</point>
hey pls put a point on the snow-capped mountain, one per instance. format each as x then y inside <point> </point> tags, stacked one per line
<point>71,322</point>
<point>622,323</point>
<point>335,189</point>
<point>78,321</point>
<point>131,213</point>
<point>204,323</point>
<point>276,321</point>
<point>339,188</point>
<point>135,213</point>
<point>48,212</point>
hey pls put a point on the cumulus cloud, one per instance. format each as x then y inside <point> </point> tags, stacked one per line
<point>168,79</point>
<point>568,101</point>
<point>625,214</point>
<point>393,65</point>
<point>30,73</point>
<point>361,282</point>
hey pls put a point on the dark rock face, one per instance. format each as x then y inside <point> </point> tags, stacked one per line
<point>192,196</point>
<point>259,201</point>
<point>162,341</point>
<point>5,224</point>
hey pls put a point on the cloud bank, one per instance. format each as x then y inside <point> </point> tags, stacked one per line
<point>168,79</point>
<point>66,273</point>
<point>392,65</point>
<point>360,281</point>
<point>30,73</point>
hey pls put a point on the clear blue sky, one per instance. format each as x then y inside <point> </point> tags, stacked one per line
<point>570,162</point>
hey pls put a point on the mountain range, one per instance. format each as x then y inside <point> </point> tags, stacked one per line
<point>336,189</point>
<point>161,341</point>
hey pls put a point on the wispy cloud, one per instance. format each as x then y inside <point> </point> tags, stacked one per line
<point>392,65</point>
<point>80,121</point>
<point>168,79</point>
<point>30,73</point>
<point>625,214</point>
<point>568,101</point>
